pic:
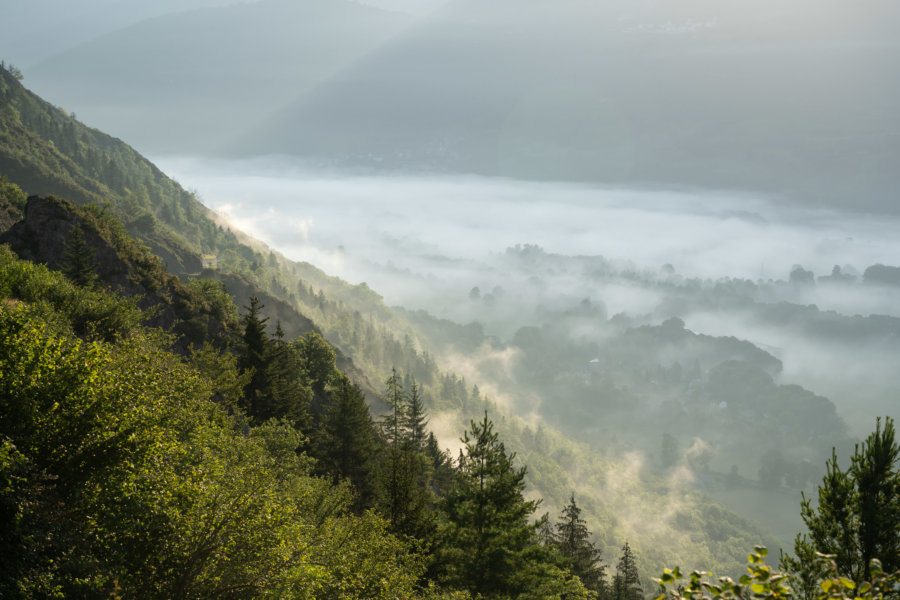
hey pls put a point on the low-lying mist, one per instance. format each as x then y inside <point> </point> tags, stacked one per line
<point>617,315</point>
<point>390,230</point>
<point>502,251</point>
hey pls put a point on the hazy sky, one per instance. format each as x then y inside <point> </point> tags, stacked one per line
<point>409,6</point>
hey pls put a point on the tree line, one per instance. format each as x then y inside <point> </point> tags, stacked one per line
<point>468,514</point>
<point>250,470</point>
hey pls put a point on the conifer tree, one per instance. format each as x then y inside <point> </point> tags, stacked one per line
<point>488,533</point>
<point>617,588</point>
<point>573,540</point>
<point>627,584</point>
<point>393,423</point>
<point>290,393</point>
<point>79,261</point>
<point>415,420</point>
<point>348,442</point>
<point>875,471</point>
<point>857,517</point>
<point>402,483</point>
<point>254,358</point>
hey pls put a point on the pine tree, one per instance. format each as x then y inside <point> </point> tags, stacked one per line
<point>392,424</point>
<point>253,358</point>
<point>488,533</point>
<point>290,393</point>
<point>79,261</point>
<point>318,362</point>
<point>414,420</point>
<point>617,588</point>
<point>857,517</point>
<point>627,584</point>
<point>573,540</point>
<point>402,483</point>
<point>875,472</point>
<point>348,442</point>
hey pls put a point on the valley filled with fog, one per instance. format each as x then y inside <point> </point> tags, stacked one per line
<point>749,335</point>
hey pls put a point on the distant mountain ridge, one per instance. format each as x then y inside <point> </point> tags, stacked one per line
<point>790,101</point>
<point>60,26</point>
<point>200,77</point>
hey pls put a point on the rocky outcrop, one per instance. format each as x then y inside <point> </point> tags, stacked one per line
<point>45,234</point>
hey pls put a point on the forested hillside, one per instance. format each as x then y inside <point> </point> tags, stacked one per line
<point>622,499</point>
<point>127,470</point>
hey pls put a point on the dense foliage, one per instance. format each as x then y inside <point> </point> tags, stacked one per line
<point>856,517</point>
<point>122,474</point>
<point>761,582</point>
<point>127,469</point>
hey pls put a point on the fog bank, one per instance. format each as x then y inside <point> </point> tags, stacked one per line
<point>450,226</point>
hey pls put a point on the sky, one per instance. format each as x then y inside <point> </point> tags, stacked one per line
<point>408,6</point>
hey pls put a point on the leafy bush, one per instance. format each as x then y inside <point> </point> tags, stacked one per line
<point>761,582</point>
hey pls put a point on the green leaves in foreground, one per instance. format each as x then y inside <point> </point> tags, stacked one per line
<point>762,583</point>
<point>118,474</point>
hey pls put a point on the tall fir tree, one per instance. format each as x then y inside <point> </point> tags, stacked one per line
<point>415,419</point>
<point>488,532</point>
<point>573,540</point>
<point>347,442</point>
<point>403,493</point>
<point>290,393</point>
<point>393,422</point>
<point>627,584</point>
<point>253,358</point>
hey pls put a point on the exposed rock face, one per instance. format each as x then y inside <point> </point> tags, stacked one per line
<point>41,236</point>
<point>44,234</point>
